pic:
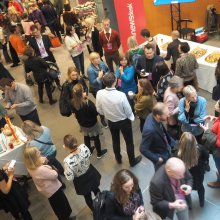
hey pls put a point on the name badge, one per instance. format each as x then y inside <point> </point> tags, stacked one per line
<point>109,46</point>
<point>150,76</point>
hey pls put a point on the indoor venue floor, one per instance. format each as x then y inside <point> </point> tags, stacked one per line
<point>60,126</point>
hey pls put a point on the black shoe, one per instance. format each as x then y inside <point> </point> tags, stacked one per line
<point>201,203</point>
<point>104,124</point>
<point>92,149</point>
<point>14,65</point>
<point>41,101</point>
<point>53,101</point>
<point>136,161</point>
<point>103,152</point>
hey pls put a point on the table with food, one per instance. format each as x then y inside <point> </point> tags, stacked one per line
<point>12,143</point>
<point>207,57</point>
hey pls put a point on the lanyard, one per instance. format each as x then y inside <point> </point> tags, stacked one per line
<point>109,37</point>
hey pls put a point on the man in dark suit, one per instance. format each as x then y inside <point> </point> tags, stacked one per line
<point>170,190</point>
<point>148,62</point>
<point>156,143</point>
<point>173,49</point>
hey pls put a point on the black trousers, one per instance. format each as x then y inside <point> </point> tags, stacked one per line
<point>14,55</point>
<point>97,143</point>
<point>142,121</point>
<point>125,127</point>
<point>32,116</point>
<point>110,59</point>
<point>47,85</point>
<point>88,198</point>
<point>60,205</point>
<point>5,53</point>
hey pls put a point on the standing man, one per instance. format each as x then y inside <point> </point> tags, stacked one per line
<point>110,41</point>
<point>114,105</point>
<point>170,190</point>
<point>19,97</point>
<point>173,49</point>
<point>156,143</point>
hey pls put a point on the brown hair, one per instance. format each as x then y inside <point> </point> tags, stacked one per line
<point>120,178</point>
<point>158,109</point>
<point>147,87</point>
<point>123,56</point>
<point>31,129</point>
<point>70,142</point>
<point>77,94</point>
<point>70,70</point>
<point>188,151</point>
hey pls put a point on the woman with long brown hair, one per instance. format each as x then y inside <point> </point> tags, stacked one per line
<point>86,115</point>
<point>195,158</point>
<point>143,100</point>
<point>125,197</point>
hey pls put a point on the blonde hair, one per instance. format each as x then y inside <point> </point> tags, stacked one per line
<point>70,70</point>
<point>93,56</point>
<point>90,21</point>
<point>188,90</point>
<point>32,158</point>
<point>132,42</point>
<point>77,94</point>
<point>31,129</point>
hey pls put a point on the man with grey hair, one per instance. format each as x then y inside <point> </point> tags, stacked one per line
<point>156,143</point>
<point>173,49</point>
<point>114,105</point>
<point>170,190</point>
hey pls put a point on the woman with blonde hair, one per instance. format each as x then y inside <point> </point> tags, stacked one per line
<point>40,137</point>
<point>46,182</point>
<point>86,115</point>
<point>195,157</point>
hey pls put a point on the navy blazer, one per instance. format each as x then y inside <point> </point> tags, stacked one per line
<point>47,45</point>
<point>161,192</point>
<point>141,64</point>
<point>153,144</point>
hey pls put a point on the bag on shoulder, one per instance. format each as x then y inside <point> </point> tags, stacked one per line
<point>53,70</point>
<point>64,102</point>
<point>99,205</point>
<point>216,93</point>
<point>134,59</point>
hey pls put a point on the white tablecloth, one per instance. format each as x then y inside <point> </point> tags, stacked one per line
<point>16,153</point>
<point>206,71</point>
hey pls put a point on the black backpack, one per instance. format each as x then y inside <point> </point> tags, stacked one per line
<point>99,205</point>
<point>64,102</point>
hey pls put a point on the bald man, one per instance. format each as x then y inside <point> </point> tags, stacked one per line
<point>172,49</point>
<point>170,190</point>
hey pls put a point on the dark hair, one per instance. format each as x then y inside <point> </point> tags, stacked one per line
<point>217,70</point>
<point>122,56</point>
<point>67,7</point>
<point>28,51</point>
<point>33,27</point>
<point>46,2</point>
<point>109,79</point>
<point>147,86</point>
<point>77,94</point>
<point>145,33</point>
<point>70,141</point>
<point>6,82</point>
<point>161,68</point>
<point>12,28</point>
<point>68,30</point>
<point>184,47</point>
<point>149,46</point>
<point>120,178</point>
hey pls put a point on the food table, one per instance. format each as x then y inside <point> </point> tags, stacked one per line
<point>206,71</point>
<point>7,154</point>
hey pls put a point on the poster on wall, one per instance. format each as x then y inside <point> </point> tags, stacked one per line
<point>131,19</point>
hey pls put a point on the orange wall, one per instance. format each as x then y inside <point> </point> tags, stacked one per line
<point>158,17</point>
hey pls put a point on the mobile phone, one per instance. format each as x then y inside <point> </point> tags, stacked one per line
<point>12,164</point>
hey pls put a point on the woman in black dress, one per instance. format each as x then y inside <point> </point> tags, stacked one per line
<point>13,198</point>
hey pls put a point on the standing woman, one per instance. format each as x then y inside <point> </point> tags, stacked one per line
<point>86,178</point>
<point>125,197</point>
<point>46,182</point>
<point>143,100</point>
<point>92,37</point>
<point>86,115</point>
<point>13,198</point>
<point>39,68</point>
<point>195,157</point>
<point>217,77</point>
<point>74,46</point>
<point>40,137</point>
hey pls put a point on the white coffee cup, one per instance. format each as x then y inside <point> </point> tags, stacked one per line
<point>131,94</point>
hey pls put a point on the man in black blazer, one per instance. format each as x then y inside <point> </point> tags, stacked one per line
<point>156,143</point>
<point>170,190</point>
<point>148,62</point>
<point>173,49</point>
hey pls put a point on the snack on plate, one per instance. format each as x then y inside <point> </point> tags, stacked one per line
<point>6,130</point>
<point>165,45</point>
<point>198,52</point>
<point>213,57</point>
<point>14,142</point>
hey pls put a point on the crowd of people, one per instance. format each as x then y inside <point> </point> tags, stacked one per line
<point>136,84</point>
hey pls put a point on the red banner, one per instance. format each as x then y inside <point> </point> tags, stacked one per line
<point>131,19</point>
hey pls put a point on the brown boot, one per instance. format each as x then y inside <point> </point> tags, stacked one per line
<point>214,184</point>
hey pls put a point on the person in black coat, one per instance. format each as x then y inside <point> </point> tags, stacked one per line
<point>4,73</point>
<point>124,198</point>
<point>92,37</point>
<point>39,68</point>
<point>170,190</point>
<point>195,157</point>
<point>148,62</point>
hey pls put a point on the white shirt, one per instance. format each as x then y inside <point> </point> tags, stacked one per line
<point>114,105</point>
<point>40,43</point>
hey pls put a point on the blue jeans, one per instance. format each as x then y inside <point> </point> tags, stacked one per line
<point>217,164</point>
<point>53,161</point>
<point>79,62</point>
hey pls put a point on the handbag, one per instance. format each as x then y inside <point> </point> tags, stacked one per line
<point>55,41</point>
<point>216,92</point>
<point>49,143</point>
